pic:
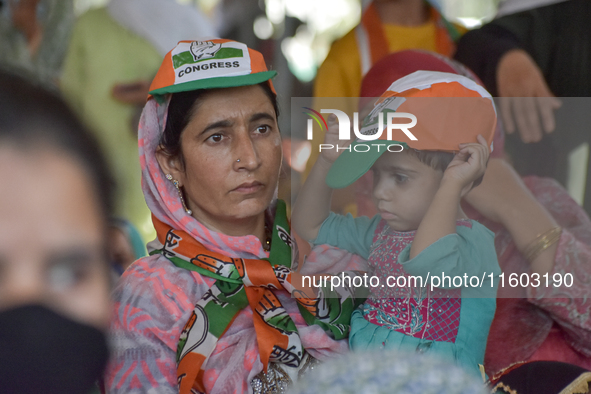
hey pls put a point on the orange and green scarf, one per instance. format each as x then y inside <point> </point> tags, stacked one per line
<point>243,282</point>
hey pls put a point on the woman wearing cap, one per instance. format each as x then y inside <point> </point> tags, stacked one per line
<point>207,311</point>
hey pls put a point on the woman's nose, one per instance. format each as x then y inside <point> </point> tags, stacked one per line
<point>246,154</point>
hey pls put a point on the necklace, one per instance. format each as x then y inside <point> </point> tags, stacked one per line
<point>267,244</point>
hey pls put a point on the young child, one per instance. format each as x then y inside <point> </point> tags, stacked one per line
<point>421,230</point>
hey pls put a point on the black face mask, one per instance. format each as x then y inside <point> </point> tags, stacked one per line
<point>44,352</point>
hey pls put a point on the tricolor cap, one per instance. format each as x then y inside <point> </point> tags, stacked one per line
<point>208,64</point>
<point>450,109</point>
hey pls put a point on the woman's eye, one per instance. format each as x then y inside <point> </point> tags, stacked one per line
<point>215,138</point>
<point>65,275</point>
<point>263,129</point>
<point>68,270</point>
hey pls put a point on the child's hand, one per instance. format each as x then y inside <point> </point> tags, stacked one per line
<point>332,137</point>
<point>467,165</point>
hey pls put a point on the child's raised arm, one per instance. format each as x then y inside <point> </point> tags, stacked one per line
<point>467,166</point>
<point>313,202</point>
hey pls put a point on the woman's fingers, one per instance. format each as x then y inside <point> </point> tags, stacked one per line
<point>526,103</point>
<point>505,104</point>
<point>523,117</point>
<point>534,116</point>
<point>547,106</point>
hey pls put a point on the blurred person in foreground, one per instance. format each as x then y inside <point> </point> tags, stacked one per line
<point>54,273</point>
<point>540,338</point>
<point>387,372</point>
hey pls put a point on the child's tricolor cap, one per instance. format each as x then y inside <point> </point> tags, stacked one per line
<point>450,109</point>
<point>209,64</point>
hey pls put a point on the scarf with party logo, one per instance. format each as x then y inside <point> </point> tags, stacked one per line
<point>250,282</point>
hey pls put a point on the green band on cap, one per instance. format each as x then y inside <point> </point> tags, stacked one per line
<point>217,82</point>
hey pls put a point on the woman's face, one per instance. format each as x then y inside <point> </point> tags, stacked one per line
<point>51,236</point>
<point>232,157</point>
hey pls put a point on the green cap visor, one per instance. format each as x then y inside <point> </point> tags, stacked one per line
<point>352,164</point>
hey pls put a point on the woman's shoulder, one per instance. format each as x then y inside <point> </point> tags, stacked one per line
<point>154,282</point>
<point>154,268</point>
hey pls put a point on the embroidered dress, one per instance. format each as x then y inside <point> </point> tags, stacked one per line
<point>452,323</point>
<point>415,310</point>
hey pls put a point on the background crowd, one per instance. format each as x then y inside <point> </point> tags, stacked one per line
<point>74,82</point>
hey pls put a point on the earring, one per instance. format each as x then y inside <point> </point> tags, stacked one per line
<point>238,161</point>
<point>178,189</point>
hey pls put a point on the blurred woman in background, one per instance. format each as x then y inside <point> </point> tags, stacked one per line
<point>54,272</point>
<point>34,36</point>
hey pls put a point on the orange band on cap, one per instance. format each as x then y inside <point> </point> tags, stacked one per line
<point>165,76</point>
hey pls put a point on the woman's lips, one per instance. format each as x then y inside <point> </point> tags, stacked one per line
<point>249,187</point>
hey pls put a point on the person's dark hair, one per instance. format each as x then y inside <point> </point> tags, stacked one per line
<point>437,160</point>
<point>32,117</point>
<point>181,108</point>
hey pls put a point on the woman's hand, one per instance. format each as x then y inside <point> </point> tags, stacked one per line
<point>504,198</point>
<point>467,165</point>
<point>135,93</point>
<point>526,98</point>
